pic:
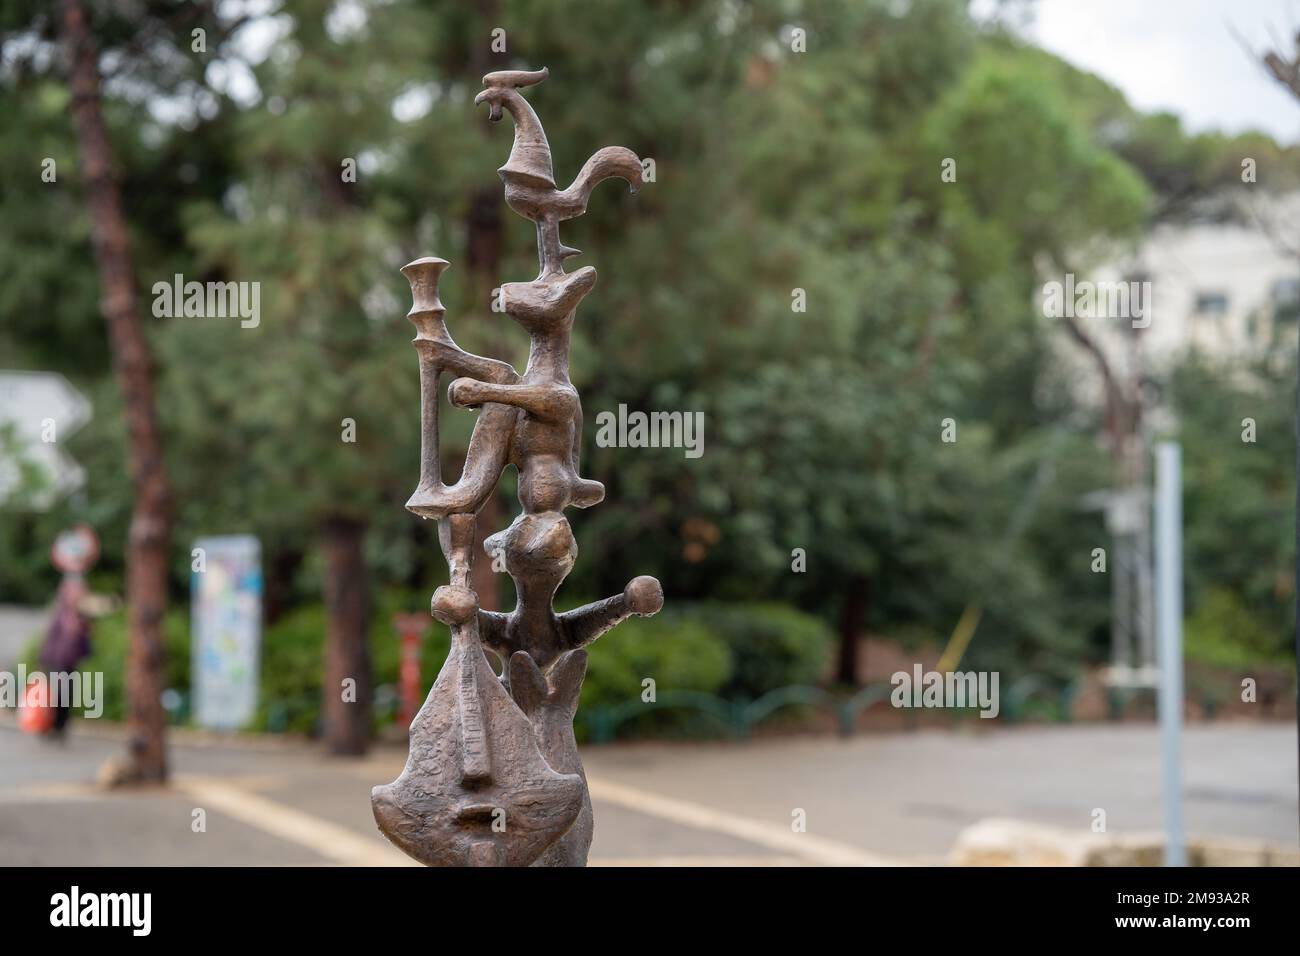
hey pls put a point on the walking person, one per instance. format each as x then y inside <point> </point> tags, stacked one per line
<point>66,644</point>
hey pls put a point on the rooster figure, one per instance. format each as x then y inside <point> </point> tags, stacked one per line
<point>529,178</point>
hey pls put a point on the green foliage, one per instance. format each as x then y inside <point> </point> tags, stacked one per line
<point>292,652</point>
<point>771,645</point>
<point>1004,114</point>
<point>1223,632</point>
<point>1239,504</point>
<point>675,650</point>
<point>724,649</point>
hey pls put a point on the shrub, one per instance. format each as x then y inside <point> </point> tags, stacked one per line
<point>771,645</point>
<point>1223,632</point>
<point>293,651</point>
<point>676,651</point>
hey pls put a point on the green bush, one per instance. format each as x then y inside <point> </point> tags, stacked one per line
<point>676,651</point>
<point>1223,632</point>
<point>293,652</point>
<point>292,660</point>
<point>772,645</point>
<point>672,648</point>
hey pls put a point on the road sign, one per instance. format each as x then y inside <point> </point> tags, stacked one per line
<point>76,550</point>
<point>38,410</point>
<point>226,609</point>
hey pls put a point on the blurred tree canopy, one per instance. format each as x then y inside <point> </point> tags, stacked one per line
<point>800,271</point>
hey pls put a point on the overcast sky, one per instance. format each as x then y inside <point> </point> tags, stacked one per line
<point>1180,56</point>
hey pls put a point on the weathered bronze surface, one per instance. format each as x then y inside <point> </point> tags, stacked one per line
<point>493,776</point>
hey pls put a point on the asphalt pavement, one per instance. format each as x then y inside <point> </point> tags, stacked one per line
<point>799,800</point>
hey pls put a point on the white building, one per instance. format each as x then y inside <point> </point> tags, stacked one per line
<point>1223,290</point>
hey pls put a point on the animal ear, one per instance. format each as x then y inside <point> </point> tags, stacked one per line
<point>527,685</point>
<point>566,679</point>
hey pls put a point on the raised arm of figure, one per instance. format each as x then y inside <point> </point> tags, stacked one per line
<point>643,597</point>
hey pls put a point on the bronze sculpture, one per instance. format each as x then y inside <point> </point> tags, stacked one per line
<point>493,776</point>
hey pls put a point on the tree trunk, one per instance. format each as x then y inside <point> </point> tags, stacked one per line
<point>346,704</point>
<point>852,617</point>
<point>483,262</point>
<point>483,244</point>
<point>483,580</point>
<point>149,538</point>
<point>282,569</point>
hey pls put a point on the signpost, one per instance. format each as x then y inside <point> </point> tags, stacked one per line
<point>1169,626</point>
<point>226,616</point>
<point>39,410</point>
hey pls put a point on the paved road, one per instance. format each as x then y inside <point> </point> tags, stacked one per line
<point>872,799</point>
<point>909,795</point>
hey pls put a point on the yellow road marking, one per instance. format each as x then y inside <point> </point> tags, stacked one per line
<point>805,846</point>
<point>330,840</point>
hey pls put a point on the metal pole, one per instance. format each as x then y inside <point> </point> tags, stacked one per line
<point>1169,626</point>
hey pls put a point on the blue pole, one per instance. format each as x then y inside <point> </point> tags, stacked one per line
<point>1169,628</point>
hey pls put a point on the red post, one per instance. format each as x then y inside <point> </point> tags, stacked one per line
<point>411,629</point>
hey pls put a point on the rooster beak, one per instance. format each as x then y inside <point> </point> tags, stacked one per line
<point>494,105</point>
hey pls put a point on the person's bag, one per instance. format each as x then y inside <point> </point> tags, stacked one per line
<point>36,716</point>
